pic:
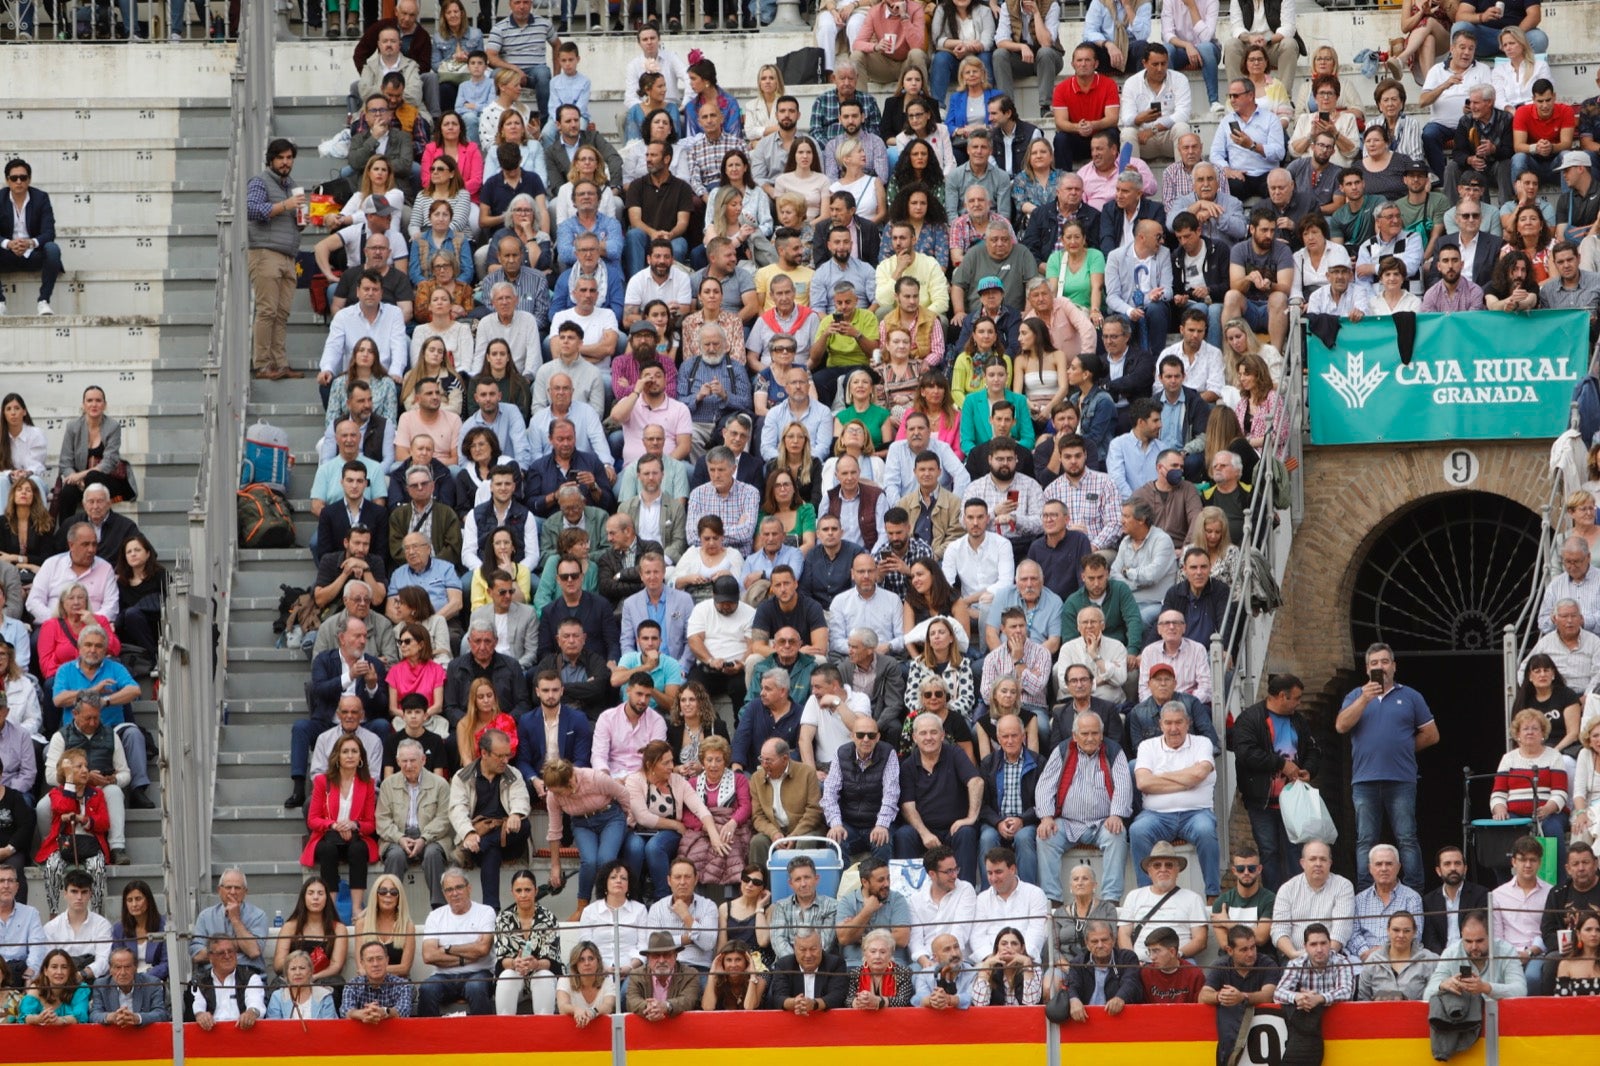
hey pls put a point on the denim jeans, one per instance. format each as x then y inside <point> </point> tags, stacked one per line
<point>1280,858</point>
<point>636,246</point>
<point>447,986</point>
<point>1547,167</point>
<point>859,841</point>
<point>599,838</point>
<point>1210,56</point>
<point>1396,801</point>
<point>1197,827</point>
<point>1435,136</point>
<point>1489,39</point>
<point>964,842</point>
<point>658,850</point>
<point>1113,853</point>
<point>1025,844</point>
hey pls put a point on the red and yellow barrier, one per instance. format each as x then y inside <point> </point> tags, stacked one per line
<point>1531,1031</point>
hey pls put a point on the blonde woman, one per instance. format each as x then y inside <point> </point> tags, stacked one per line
<point>1211,533</point>
<point>761,113</point>
<point>434,360</point>
<point>1580,510</point>
<point>387,919</point>
<point>853,441</point>
<point>1586,783</point>
<point>1514,79</point>
<point>855,179</point>
<point>587,165</point>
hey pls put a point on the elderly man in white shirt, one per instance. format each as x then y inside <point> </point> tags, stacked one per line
<point>1316,894</point>
<point>1177,773</point>
<point>865,605</point>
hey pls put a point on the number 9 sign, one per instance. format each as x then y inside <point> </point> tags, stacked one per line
<point>1269,1034</point>
<point>1461,468</point>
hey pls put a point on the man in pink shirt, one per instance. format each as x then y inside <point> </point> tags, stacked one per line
<point>430,417</point>
<point>1100,173</point>
<point>893,38</point>
<point>649,405</point>
<point>621,732</point>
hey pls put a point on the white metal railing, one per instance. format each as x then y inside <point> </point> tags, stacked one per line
<point>1238,650</point>
<point>192,656</point>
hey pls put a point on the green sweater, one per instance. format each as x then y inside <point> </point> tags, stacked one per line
<point>1122,615</point>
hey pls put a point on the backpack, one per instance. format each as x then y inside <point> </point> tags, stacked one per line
<point>266,457</point>
<point>297,616</point>
<point>803,66</point>
<point>265,520</point>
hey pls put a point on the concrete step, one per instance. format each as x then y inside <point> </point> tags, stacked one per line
<point>247,680</point>
<point>76,166</point>
<point>131,248</point>
<point>251,739</point>
<point>82,291</point>
<point>151,119</point>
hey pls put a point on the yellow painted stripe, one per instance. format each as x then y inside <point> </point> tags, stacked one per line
<point>1336,1052</point>
<point>518,1057</point>
<point>900,1055</point>
<point>1140,1053</point>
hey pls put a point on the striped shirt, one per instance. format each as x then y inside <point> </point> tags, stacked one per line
<point>524,45</point>
<point>1335,982</point>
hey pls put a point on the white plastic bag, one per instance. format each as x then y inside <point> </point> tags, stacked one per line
<point>1305,816</point>
<point>337,146</point>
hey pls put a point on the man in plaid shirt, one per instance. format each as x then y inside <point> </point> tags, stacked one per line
<point>732,501</point>
<point>1093,502</point>
<point>900,549</point>
<point>377,995</point>
<point>702,155</point>
<point>1319,977</point>
<point>825,109</point>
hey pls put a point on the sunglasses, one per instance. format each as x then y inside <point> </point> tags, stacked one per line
<point>16,177</point>
<point>568,577</point>
<point>866,736</point>
<point>933,694</point>
<point>1246,867</point>
<point>756,881</point>
<point>388,891</point>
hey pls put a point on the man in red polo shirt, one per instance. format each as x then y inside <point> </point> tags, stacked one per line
<point>1083,104</point>
<point>1540,132</point>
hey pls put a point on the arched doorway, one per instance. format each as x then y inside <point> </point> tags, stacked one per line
<point>1439,584</point>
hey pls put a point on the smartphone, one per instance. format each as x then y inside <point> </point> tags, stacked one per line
<point>1375,676</point>
<point>1235,124</point>
<point>1156,106</point>
<point>1325,116</point>
<point>1466,970</point>
<point>1012,496</point>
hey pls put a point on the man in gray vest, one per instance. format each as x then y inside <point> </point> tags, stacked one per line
<point>861,794</point>
<point>272,205</point>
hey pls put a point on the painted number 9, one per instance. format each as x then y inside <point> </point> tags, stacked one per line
<point>1460,468</point>
<point>1265,1044</point>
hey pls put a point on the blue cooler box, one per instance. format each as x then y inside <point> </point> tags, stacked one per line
<point>826,853</point>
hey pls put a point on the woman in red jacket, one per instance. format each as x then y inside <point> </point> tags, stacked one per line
<point>79,822</point>
<point>343,819</point>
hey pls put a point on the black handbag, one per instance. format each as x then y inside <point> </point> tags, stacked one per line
<point>803,66</point>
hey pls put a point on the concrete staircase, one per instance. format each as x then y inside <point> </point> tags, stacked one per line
<point>135,178</point>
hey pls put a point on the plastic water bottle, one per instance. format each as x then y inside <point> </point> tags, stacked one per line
<point>277,919</point>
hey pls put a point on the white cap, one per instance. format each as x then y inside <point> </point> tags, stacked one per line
<point>1335,256</point>
<point>1576,158</point>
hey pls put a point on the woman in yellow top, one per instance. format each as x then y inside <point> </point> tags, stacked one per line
<point>966,373</point>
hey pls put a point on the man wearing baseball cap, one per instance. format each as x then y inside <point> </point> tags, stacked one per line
<point>991,306</point>
<point>719,639</point>
<point>1338,296</point>
<point>1579,206</point>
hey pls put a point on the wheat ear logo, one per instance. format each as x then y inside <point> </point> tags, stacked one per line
<point>1356,383</point>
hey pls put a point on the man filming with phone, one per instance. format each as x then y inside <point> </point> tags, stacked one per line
<point>1388,724</point>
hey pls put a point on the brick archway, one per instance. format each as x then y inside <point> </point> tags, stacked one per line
<point>1352,495</point>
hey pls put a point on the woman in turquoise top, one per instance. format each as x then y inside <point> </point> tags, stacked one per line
<point>1035,184</point>
<point>1079,270</point>
<point>975,427</point>
<point>860,408</point>
<point>572,543</point>
<point>59,996</point>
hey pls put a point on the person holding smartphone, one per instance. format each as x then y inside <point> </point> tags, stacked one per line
<point>1388,724</point>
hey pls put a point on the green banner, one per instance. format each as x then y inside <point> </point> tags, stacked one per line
<point>1475,375</point>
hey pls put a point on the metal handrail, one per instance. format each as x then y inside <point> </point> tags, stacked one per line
<point>1234,666</point>
<point>194,640</point>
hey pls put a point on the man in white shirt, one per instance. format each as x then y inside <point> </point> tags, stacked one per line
<point>1316,894</point>
<point>602,334</point>
<point>458,942</point>
<point>686,916</point>
<point>1177,773</point>
<point>800,407</point>
<point>828,715</point>
<point>1574,650</point>
<point>981,563</point>
<point>79,930</point>
<point>944,904</point>
<point>659,280</point>
<point>1008,901</point>
<point>370,317</point>
<point>518,328</point>
<point>1149,908</point>
<point>1202,361</point>
<point>865,604</point>
<point>1155,107</point>
<point>585,421</point>
<point>222,999</point>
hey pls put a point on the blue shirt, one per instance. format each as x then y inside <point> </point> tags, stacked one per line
<point>1044,621</point>
<point>1382,744</point>
<point>758,562</point>
<point>70,678</point>
<point>437,580</point>
<point>1129,466</point>
<point>509,429</point>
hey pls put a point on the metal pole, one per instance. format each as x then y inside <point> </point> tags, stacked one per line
<point>174,992</point>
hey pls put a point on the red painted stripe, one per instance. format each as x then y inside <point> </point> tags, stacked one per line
<point>1547,1017</point>
<point>843,1028</point>
<point>412,1036</point>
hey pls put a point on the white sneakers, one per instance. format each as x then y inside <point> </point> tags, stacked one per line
<point>44,308</point>
<point>1216,107</point>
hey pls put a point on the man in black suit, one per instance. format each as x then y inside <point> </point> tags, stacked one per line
<point>1479,251</point>
<point>808,982</point>
<point>1044,225</point>
<point>1132,370</point>
<point>1011,135</point>
<point>112,529</point>
<point>748,465</point>
<point>345,670</point>
<point>335,520</point>
<point>1121,985</point>
<point>842,214</point>
<point>1455,896</point>
<point>1127,207</point>
<point>35,249</point>
<point>1199,274</point>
